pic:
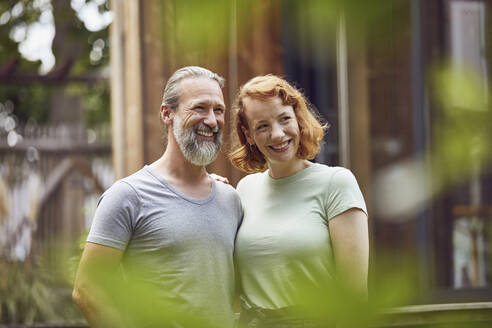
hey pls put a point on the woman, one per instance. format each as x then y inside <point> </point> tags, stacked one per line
<point>305,224</point>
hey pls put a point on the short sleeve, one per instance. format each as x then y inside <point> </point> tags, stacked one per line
<point>115,216</point>
<point>241,186</point>
<point>343,193</point>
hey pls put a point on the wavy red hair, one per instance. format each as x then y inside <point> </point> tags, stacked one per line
<point>248,158</point>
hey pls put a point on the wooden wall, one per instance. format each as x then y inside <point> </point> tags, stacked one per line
<point>151,39</point>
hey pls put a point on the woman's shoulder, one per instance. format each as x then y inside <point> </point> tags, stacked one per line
<point>323,171</point>
<point>333,176</point>
<point>249,180</point>
<point>342,192</point>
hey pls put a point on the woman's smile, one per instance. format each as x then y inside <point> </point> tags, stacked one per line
<point>273,128</point>
<point>281,147</point>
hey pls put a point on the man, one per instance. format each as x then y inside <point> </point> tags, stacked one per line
<point>169,224</point>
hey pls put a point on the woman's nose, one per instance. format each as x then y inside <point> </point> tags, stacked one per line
<point>277,132</point>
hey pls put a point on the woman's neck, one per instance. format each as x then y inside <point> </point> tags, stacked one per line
<point>282,170</point>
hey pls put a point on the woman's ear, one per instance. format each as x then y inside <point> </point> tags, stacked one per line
<point>167,115</point>
<point>246,134</point>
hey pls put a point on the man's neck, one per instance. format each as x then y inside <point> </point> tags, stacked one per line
<point>190,179</point>
<point>173,165</point>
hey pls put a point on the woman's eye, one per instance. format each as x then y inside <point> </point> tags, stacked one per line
<point>199,108</point>
<point>261,127</point>
<point>285,118</point>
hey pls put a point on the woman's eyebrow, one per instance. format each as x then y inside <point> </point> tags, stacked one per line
<point>285,112</point>
<point>262,121</point>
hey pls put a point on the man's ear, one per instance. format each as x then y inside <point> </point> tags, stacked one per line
<point>167,115</point>
<point>246,134</point>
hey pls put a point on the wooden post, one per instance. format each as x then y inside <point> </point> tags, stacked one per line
<point>117,65</point>
<point>359,132</point>
<point>154,74</point>
<point>127,99</point>
<point>359,117</point>
<point>133,87</point>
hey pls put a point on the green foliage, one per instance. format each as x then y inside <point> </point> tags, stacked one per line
<point>87,41</point>
<point>320,20</point>
<point>96,101</point>
<point>74,260</point>
<point>330,302</point>
<point>31,102</point>
<point>462,133</point>
<point>202,28</point>
<point>8,47</point>
<point>97,105</point>
<point>39,290</point>
<point>89,52</point>
<point>30,295</point>
<point>138,304</point>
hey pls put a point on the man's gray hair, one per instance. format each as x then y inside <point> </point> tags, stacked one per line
<point>172,92</point>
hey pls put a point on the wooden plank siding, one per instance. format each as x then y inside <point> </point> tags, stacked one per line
<point>146,49</point>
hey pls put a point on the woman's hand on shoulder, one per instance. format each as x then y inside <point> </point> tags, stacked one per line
<point>219,178</point>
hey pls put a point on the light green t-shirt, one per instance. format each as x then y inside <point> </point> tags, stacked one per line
<point>284,241</point>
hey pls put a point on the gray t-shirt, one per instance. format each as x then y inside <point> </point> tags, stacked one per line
<point>181,245</point>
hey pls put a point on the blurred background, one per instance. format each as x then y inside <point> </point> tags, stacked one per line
<point>404,84</point>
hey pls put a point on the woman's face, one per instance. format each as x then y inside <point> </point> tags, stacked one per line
<point>273,128</point>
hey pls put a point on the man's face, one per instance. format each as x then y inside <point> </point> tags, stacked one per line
<point>199,120</point>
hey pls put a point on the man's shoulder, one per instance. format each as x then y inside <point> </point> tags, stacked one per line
<point>226,193</point>
<point>142,179</point>
<point>141,176</point>
<point>130,185</point>
<point>225,188</point>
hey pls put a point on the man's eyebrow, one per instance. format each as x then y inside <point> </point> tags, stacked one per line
<point>206,102</point>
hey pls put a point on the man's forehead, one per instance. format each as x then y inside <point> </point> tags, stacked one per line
<point>205,100</point>
<point>201,90</point>
<point>200,84</point>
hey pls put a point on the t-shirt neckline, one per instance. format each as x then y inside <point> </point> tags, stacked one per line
<point>162,180</point>
<point>288,179</point>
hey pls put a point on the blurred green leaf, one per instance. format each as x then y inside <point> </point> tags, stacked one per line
<point>462,134</point>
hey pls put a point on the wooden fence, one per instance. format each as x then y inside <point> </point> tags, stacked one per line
<point>52,177</point>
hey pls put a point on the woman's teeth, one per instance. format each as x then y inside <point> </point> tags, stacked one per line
<point>280,146</point>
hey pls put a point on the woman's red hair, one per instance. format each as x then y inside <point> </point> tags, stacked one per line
<point>247,157</point>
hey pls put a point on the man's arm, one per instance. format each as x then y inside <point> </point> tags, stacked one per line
<point>97,266</point>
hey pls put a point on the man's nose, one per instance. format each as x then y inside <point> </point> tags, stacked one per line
<point>210,119</point>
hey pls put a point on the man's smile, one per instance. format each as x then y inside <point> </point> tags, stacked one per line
<point>205,132</point>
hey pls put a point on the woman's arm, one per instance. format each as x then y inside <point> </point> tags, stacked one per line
<point>350,239</point>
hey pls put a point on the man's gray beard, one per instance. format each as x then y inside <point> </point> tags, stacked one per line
<point>198,152</point>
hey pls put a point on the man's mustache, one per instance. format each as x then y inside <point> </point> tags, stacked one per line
<point>204,127</point>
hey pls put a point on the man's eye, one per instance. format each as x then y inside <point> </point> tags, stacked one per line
<point>198,108</point>
<point>261,127</point>
<point>219,110</point>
